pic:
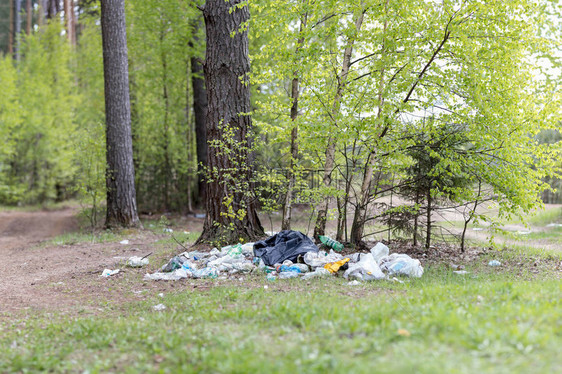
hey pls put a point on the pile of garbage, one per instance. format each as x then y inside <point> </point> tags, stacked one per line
<point>288,254</point>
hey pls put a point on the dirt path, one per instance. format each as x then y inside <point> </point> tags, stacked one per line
<point>35,276</point>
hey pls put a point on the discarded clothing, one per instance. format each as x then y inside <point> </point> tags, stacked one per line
<point>285,245</point>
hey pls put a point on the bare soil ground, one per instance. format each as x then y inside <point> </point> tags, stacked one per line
<point>43,276</point>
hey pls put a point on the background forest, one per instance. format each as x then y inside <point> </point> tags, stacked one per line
<point>372,114</point>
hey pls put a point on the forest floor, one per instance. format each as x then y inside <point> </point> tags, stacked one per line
<point>58,314</point>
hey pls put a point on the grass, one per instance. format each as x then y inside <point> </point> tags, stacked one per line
<point>490,320</point>
<point>82,237</point>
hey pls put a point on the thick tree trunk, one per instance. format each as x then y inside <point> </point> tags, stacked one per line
<point>120,173</point>
<point>199,112</point>
<point>320,226</point>
<point>231,204</point>
<point>287,204</point>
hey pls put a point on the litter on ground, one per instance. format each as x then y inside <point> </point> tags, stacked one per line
<point>289,254</point>
<point>106,273</point>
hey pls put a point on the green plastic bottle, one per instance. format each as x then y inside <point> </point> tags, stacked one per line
<point>329,242</point>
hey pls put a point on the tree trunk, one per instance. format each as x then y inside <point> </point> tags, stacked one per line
<point>287,204</point>
<point>231,204</point>
<point>28,13</point>
<point>199,112</point>
<point>69,21</point>
<point>11,29</point>
<point>320,226</point>
<point>17,29</point>
<point>120,173</point>
<point>53,8</point>
<point>358,225</point>
<point>416,218</point>
<point>428,227</point>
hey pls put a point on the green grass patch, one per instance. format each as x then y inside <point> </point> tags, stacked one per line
<point>486,321</point>
<point>544,217</point>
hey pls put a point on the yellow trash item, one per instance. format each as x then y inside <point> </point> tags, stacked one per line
<point>333,267</point>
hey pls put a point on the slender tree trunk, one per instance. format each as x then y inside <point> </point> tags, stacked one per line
<point>11,29</point>
<point>69,21</point>
<point>287,204</point>
<point>40,12</point>
<point>17,28</point>
<point>167,175</point>
<point>53,8</point>
<point>416,219</point>
<point>199,112</point>
<point>120,173</point>
<point>28,13</point>
<point>428,227</point>
<point>320,226</point>
<point>358,225</point>
<point>231,204</point>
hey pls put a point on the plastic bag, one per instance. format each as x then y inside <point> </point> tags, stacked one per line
<point>318,273</point>
<point>206,273</point>
<point>228,259</point>
<point>401,264</point>
<point>366,269</point>
<point>175,275</point>
<point>333,267</point>
<point>137,262</point>
<point>288,274</point>
<point>321,258</point>
<point>379,251</point>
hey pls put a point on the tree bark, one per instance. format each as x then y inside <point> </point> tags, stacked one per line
<point>28,13</point>
<point>199,112</point>
<point>52,9</point>
<point>428,227</point>
<point>231,204</point>
<point>11,29</point>
<point>17,29</point>
<point>69,21</point>
<point>320,226</point>
<point>120,173</point>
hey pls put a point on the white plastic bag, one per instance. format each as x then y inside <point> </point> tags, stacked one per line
<point>137,262</point>
<point>379,251</point>
<point>366,269</point>
<point>318,273</point>
<point>321,258</point>
<point>401,264</point>
<point>174,275</point>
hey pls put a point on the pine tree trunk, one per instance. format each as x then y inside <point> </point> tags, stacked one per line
<point>229,189</point>
<point>28,13</point>
<point>17,29</point>
<point>11,29</point>
<point>199,112</point>
<point>120,173</point>
<point>69,21</point>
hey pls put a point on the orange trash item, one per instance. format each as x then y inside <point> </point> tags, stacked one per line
<point>333,267</point>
